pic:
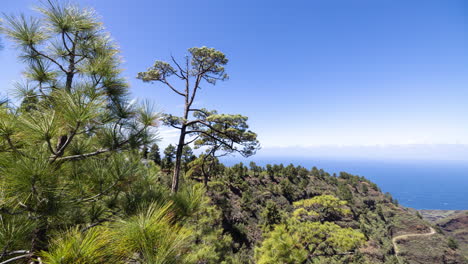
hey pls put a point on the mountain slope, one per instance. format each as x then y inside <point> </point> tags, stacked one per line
<point>253,200</point>
<point>453,223</point>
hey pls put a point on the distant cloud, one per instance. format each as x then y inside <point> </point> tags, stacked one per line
<point>167,136</point>
<point>398,152</point>
<point>168,132</point>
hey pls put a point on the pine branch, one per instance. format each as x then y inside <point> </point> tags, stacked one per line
<point>47,57</point>
<point>16,258</point>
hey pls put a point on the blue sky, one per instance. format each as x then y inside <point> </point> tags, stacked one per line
<point>307,73</point>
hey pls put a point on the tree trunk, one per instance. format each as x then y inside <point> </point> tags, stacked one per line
<point>39,240</point>
<point>71,67</point>
<point>68,84</point>
<point>180,146</point>
<point>205,180</point>
<point>205,176</point>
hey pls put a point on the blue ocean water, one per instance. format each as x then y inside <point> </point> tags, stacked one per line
<point>417,184</point>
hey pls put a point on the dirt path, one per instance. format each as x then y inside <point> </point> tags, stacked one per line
<point>395,239</point>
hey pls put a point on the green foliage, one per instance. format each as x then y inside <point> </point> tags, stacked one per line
<point>321,208</point>
<point>149,237</point>
<point>209,243</point>
<point>153,236</point>
<point>256,170</point>
<point>75,246</point>
<point>391,199</point>
<point>65,48</point>
<point>345,193</point>
<point>159,72</point>
<point>327,238</point>
<point>452,243</point>
<point>154,154</point>
<point>69,153</point>
<point>365,189</point>
<point>281,246</point>
<point>12,228</point>
<point>271,215</point>
<point>301,239</point>
<point>208,59</point>
<point>224,133</point>
<point>287,189</point>
<point>169,155</point>
<point>189,200</point>
<point>205,167</point>
<point>297,242</point>
<point>187,157</point>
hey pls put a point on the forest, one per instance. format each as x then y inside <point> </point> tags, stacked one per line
<point>83,179</point>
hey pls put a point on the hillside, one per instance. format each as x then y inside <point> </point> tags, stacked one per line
<point>247,199</point>
<point>453,223</point>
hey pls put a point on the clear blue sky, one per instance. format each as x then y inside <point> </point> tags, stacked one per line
<point>308,73</point>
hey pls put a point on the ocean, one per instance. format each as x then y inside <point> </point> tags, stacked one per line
<point>418,184</point>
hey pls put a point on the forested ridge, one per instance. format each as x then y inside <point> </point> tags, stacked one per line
<point>83,180</point>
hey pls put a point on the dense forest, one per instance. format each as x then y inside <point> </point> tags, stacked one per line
<point>83,180</point>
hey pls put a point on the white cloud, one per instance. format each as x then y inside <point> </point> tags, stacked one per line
<point>383,152</point>
<point>167,136</point>
<point>348,137</point>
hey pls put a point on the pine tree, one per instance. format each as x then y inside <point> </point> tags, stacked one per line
<point>169,155</point>
<point>154,154</point>
<point>217,132</point>
<point>301,239</point>
<point>68,154</point>
<point>187,157</point>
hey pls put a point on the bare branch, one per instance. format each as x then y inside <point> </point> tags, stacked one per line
<point>17,252</point>
<point>211,136</point>
<point>14,148</point>
<point>183,74</point>
<point>65,43</point>
<point>97,195</point>
<point>98,223</point>
<point>68,36</point>
<point>16,258</point>
<point>83,156</point>
<point>187,80</point>
<point>174,126</point>
<point>214,129</point>
<point>50,147</point>
<point>195,88</point>
<point>198,110</point>
<point>97,152</point>
<point>191,141</point>
<point>69,139</point>
<point>193,122</point>
<point>47,57</point>
<point>172,87</point>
